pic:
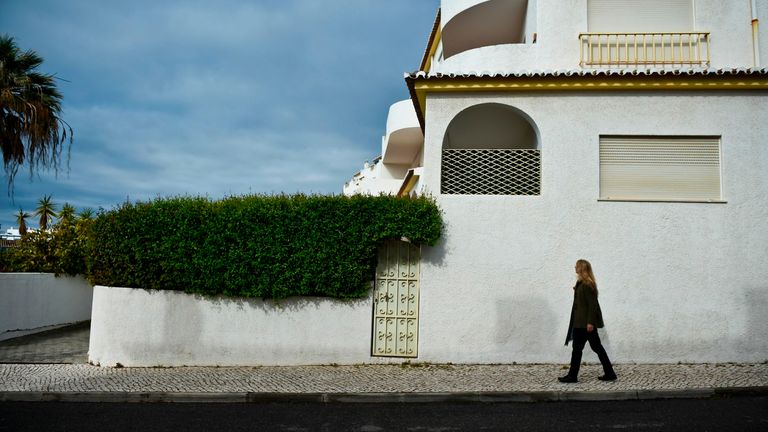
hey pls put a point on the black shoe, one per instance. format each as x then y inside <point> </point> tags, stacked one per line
<point>606,377</point>
<point>567,379</point>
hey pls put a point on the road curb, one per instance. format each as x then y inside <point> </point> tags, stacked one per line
<point>459,397</point>
<point>123,397</point>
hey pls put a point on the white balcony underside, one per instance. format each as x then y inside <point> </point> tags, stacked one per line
<point>402,146</point>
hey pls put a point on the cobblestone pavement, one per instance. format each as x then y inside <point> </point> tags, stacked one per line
<point>374,378</point>
<point>70,345</point>
<point>63,345</point>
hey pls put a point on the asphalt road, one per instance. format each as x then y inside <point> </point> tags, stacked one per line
<point>735,413</point>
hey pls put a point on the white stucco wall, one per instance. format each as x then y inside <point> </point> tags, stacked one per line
<point>678,281</point>
<point>730,25</point>
<point>136,327</point>
<point>762,16</point>
<point>559,23</point>
<point>32,302</point>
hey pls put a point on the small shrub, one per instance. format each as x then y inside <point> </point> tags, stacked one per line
<point>62,249</point>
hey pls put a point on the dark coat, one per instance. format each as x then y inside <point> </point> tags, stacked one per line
<point>585,309</point>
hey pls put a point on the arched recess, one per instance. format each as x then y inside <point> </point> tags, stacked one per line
<point>491,149</point>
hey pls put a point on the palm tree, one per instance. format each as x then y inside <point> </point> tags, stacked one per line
<point>31,129</point>
<point>86,214</point>
<point>46,210</point>
<point>21,219</point>
<point>67,213</point>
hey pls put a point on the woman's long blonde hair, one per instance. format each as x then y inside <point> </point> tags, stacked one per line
<point>585,275</point>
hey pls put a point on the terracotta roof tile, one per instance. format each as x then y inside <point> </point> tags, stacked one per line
<point>591,72</point>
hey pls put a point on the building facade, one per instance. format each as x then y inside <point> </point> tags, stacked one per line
<point>630,133</point>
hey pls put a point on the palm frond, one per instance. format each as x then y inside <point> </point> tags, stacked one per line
<point>32,131</point>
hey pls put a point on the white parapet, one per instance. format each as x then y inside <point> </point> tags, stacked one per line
<point>33,302</point>
<point>136,327</point>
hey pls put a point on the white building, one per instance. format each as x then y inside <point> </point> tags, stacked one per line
<point>632,133</point>
<point>11,234</point>
<point>398,168</point>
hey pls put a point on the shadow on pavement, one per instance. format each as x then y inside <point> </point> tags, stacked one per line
<point>63,345</point>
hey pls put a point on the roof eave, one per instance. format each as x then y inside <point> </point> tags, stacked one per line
<point>737,79</point>
<point>432,42</point>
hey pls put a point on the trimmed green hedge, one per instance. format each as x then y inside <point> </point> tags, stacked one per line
<point>255,246</point>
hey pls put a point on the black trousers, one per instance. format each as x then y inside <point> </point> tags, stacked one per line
<point>580,338</point>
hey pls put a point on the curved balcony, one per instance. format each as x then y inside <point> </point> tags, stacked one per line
<point>471,24</point>
<point>451,8</point>
<point>404,138</point>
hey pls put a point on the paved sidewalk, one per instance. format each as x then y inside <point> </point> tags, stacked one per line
<point>373,383</point>
<point>51,379</point>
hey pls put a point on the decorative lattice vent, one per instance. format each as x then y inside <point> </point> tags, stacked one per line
<point>491,172</point>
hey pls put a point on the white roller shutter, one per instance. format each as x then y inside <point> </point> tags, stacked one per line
<point>640,16</point>
<point>660,168</point>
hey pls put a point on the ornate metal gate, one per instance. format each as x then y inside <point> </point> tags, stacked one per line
<point>396,300</point>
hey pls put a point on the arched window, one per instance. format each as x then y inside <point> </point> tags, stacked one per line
<point>491,149</point>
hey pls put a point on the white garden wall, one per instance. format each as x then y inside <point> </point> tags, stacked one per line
<point>136,327</point>
<point>33,302</point>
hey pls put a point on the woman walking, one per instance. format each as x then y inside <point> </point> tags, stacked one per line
<point>586,318</point>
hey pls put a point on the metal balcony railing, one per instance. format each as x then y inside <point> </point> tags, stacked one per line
<point>626,50</point>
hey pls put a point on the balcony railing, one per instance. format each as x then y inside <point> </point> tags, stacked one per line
<point>626,50</point>
<point>7,244</point>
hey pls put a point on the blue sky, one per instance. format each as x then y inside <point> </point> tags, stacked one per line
<point>215,98</point>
